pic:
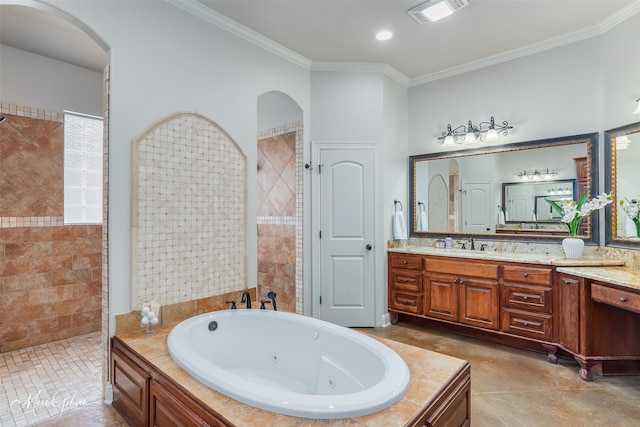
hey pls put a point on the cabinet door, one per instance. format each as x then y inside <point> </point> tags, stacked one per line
<point>441,297</point>
<point>168,407</point>
<point>568,316</point>
<point>130,388</point>
<point>479,303</point>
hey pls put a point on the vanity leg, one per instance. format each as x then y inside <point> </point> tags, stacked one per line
<point>585,368</point>
<point>393,317</point>
<point>551,353</point>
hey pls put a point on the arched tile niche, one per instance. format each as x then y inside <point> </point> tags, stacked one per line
<point>188,212</point>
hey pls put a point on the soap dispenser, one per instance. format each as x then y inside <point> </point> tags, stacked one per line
<point>448,242</point>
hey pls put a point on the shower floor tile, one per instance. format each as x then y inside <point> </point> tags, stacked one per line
<point>43,382</point>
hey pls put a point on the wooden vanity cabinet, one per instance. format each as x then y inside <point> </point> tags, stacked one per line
<point>527,298</point>
<point>406,284</point>
<point>146,397</point>
<point>462,292</point>
<point>599,325</point>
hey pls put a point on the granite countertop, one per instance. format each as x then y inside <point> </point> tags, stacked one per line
<point>430,372</point>
<point>532,258</point>
<point>624,277</point>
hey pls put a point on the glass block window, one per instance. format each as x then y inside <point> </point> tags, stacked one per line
<point>82,169</point>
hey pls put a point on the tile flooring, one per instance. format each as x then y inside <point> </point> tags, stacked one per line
<point>510,387</point>
<point>41,382</point>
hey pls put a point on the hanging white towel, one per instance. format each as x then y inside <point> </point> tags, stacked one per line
<point>506,216</point>
<point>501,217</point>
<point>533,216</point>
<point>422,221</point>
<point>630,228</point>
<point>399,226</point>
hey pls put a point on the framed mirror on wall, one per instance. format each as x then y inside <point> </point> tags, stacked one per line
<point>499,192</point>
<point>622,154</point>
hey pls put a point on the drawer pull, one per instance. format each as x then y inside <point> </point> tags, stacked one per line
<point>526,298</point>
<point>405,261</point>
<point>567,282</point>
<point>623,299</point>
<point>526,323</point>
<point>526,274</point>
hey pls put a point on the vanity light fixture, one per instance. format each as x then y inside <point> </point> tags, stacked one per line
<point>434,10</point>
<point>622,142</point>
<point>536,174</point>
<point>485,131</point>
<point>638,107</point>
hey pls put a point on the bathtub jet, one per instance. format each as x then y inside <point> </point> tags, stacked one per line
<point>289,363</point>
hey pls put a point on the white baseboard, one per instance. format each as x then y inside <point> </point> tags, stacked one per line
<point>108,393</point>
<point>386,320</point>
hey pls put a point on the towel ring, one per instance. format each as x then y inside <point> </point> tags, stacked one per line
<point>423,209</point>
<point>395,205</point>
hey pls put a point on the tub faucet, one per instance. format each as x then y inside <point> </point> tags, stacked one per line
<point>272,296</point>
<point>233,304</point>
<point>262,303</point>
<point>246,298</point>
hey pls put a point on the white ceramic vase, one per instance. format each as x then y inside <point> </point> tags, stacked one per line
<point>572,247</point>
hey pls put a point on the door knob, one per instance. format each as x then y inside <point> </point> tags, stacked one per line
<point>369,247</point>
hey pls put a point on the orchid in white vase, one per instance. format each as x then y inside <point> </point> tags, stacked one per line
<point>572,213</point>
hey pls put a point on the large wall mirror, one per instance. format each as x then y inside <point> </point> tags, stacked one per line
<point>499,192</point>
<point>622,153</point>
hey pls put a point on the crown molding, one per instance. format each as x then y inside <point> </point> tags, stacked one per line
<point>362,67</point>
<point>576,36</point>
<point>219,20</point>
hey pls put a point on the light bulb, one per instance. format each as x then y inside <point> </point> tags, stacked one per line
<point>469,138</point>
<point>638,107</point>
<point>492,135</point>
<point>449,141</point>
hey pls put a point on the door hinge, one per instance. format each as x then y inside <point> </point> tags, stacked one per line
<point>320,299</point>
<point>320,234</point>
<point>320,168</point>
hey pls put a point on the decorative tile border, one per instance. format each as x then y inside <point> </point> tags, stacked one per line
<point>32,113</point>
<point>31,221</point>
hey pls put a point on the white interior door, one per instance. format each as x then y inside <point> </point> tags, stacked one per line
<point>477,209</point>
<point>347,233</point>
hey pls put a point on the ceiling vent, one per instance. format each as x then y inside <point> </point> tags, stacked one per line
<point>433,10</point>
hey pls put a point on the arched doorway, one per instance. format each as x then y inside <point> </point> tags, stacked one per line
<point>279,199</point>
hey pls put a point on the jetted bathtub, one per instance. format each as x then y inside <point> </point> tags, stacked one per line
<point>289,363</point>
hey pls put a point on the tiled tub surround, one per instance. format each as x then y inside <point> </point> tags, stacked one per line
<point>172,313</point>
<point>430,372</point>
<point>188,212</point>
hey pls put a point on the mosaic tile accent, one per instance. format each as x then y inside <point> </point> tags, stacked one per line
<point>189,212</point>
<point>44,381</point>
<point>296,219</point>
<point>106,365</point>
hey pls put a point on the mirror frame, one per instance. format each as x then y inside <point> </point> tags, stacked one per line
<point>610,177</point>
<point>571,181</point>
<point>591,139</point>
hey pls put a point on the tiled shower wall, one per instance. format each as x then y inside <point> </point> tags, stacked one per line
<point>50,274</point>
<point>189,212</point>
<point>280,215</point>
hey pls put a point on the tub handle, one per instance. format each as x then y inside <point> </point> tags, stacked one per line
<point>262,303</point>
<point>233,304</point>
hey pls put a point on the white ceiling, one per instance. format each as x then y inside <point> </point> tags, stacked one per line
<point>483,32</point>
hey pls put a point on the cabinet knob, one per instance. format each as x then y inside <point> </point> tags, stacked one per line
<point>526,274</point>
<point>526,298</point>
<point>526,323</point>
<point>623,299</point>
<point>567,282</point>
<point>405,261</point>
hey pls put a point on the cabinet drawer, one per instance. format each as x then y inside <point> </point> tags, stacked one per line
<point>529,275</point>
<point>406,261</point>
<point>616,297</point>
<point>527,324</point>
<point>464,267</point>
<point>528,298</point>
<point>406,280</point>
<point>405,301</point>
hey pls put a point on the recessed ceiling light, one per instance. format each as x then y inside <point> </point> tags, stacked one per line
<point>384,35</point>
